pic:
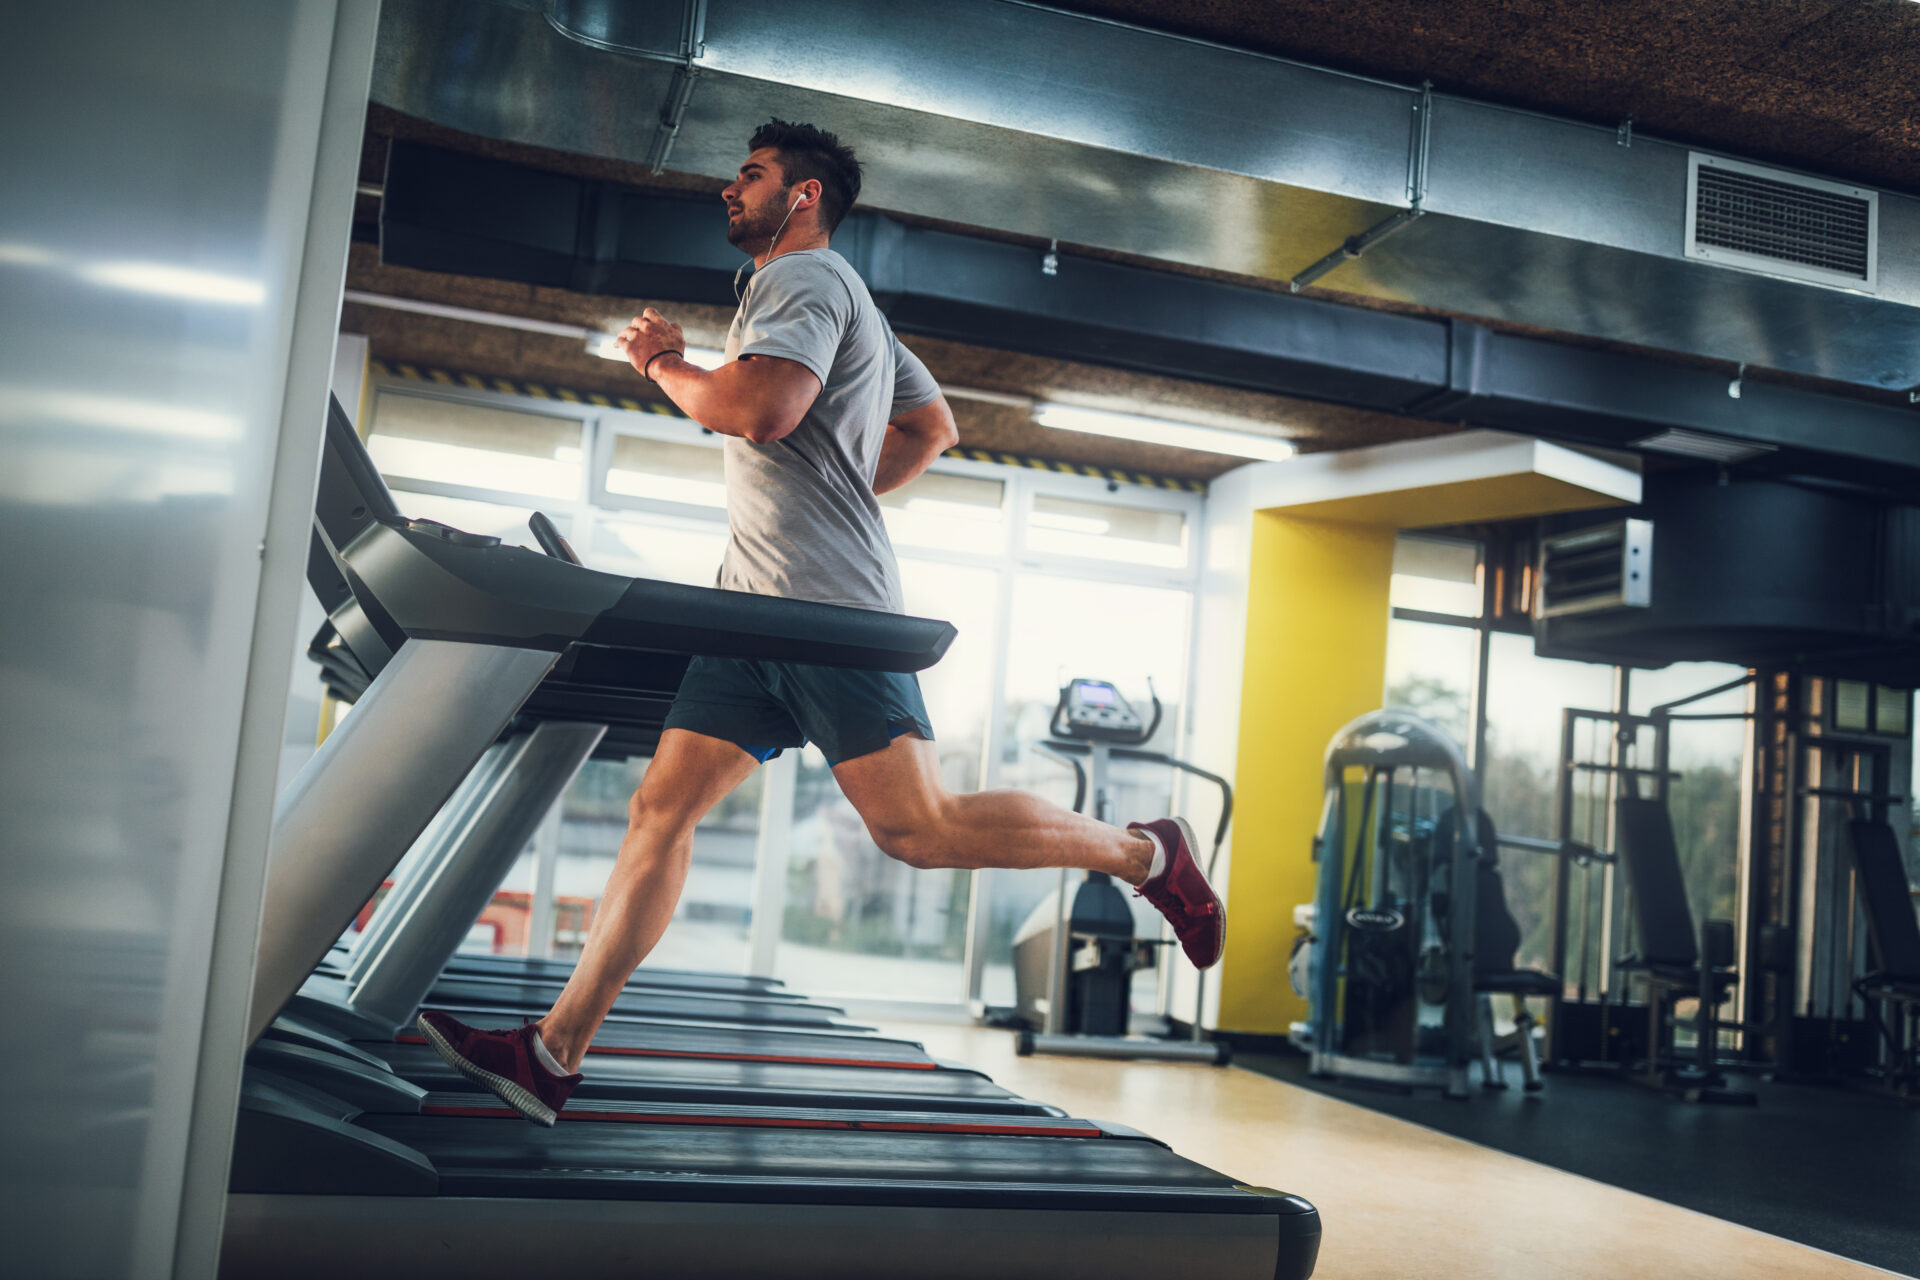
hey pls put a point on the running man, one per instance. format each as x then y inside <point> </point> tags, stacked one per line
<point>823,408</point>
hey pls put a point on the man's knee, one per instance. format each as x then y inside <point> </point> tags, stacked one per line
<point>659,813</point>
<point>916,838</point>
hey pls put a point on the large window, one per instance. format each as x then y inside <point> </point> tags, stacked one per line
<point>1708,756</point>
<point>1519,780</point>
<point>1040,572</point>
<point>1124,633</point>
<point>857,922</point>
<point>667,471</point>
<point>710,925</point>
<point>1107,531</point>
<point>947,513</point>
<point>1476,675</point>
<point>450,442</point>
<point>1431,669</point>
<point>1436,575</point>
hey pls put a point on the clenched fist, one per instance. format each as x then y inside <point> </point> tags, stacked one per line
<point>649,335</point>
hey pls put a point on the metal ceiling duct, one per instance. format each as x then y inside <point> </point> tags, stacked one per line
<point>1008,116</point>
<point>470,215</point>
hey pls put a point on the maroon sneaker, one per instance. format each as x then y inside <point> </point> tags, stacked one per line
<point>1184,897</point>
<point>502,1061</point>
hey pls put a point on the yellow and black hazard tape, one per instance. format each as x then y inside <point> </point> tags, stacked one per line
<point>567,395</point>
<point>515,387</point>
<point>1077,469</point>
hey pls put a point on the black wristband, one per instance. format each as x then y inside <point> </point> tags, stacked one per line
<point>655,356</point>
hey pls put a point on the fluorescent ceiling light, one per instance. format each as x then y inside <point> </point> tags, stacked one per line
<point>176,282</point>
<point>705,357</point>
<point>1177,435</point>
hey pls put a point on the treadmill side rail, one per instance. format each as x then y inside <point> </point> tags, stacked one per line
<point>421,863</point>
<point>396,980</point>
<point>325,1237</point>
<point>369,792</point>
<point>293,1139</point>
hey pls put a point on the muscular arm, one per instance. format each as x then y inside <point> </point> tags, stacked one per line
<point>914,440</point>
<point>758,398</point>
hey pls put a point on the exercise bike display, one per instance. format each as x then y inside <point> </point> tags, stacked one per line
<point>1075,955</point>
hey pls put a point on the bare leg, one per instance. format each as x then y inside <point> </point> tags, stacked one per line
<point>690,774</point>
<point>913,817</point>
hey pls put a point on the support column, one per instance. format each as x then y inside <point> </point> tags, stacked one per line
<point>1316,657</point>
<point>546,858</point>
<point>777,778</point>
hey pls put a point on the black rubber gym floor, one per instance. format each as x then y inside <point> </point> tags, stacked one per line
<point>1826,1167</point>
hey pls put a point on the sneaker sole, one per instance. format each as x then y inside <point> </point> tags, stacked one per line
<point>1186,836</point>
<point>509,1092</point>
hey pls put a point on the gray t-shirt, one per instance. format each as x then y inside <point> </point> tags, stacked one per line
<point>802,512</point>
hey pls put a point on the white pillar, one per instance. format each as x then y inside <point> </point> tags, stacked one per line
<point>770,861</point>
<point>546,855</point>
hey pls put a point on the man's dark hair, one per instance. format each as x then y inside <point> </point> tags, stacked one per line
<point>807,153</point>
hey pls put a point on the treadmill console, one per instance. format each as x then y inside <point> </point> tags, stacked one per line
<point>1095,709</point>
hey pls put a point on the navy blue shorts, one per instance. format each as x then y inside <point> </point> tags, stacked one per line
<point>762,707</point>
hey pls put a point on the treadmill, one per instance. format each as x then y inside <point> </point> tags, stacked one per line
<point>401,962</point>
<point>321,1183</point>
<point>347,679</point>
<point>474,839</point>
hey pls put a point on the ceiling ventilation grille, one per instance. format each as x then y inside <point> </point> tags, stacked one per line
<point>1698,444</point>
<point>1741,215</point>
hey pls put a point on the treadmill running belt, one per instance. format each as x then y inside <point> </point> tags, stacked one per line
<point>555,976</point>
<point>739,1044</point>
<point>481,1105</point>
<point>719,1080</point>
<point>538,996</point>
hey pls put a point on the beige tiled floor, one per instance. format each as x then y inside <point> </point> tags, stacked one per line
<point>1395,1200</point>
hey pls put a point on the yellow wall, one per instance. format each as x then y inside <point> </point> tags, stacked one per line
<point>1316,657</point>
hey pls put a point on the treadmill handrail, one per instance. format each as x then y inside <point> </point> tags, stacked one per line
<point>418,580</point>
<point>437,589</point>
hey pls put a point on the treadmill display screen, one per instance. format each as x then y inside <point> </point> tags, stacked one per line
<point>1096,695</point>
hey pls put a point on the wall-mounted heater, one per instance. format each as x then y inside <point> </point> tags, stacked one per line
<point>1607,566</point>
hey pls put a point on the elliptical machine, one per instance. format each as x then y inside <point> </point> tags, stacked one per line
<point>1073,962</point>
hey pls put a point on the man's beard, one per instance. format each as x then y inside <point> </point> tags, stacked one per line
<point>751,234</point>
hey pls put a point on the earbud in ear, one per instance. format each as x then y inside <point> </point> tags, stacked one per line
<point>796,202</point>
